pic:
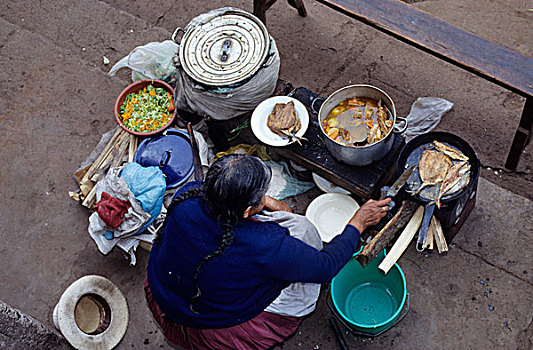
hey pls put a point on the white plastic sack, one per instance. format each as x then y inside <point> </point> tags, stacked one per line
<point>150,61</point>
<point>227,103</point>
<point>223,103</point>
<point>425,115</point>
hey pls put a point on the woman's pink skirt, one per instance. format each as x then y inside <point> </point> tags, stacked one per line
<point>262,332</point>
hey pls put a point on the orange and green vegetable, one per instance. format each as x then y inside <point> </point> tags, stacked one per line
<point>147,110</point>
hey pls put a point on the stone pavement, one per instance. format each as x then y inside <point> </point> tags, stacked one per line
<point>56,100</point>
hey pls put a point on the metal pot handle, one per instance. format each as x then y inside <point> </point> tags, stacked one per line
<point>165,158</point>
<point>175,35</point>
<point>319,105</point>
<point>401,130</point>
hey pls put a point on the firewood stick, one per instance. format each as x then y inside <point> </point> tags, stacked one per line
<point>387,234</point>
<point>440,241</point>
<point>403,241</point>
<point>103,159</point>
<point>112,157</point>
<point>81,173</point>
<point>90,199</point>
<point>102,155</point>
<point>121,152</point>
<point>86,187</point>
<point>132,148</point>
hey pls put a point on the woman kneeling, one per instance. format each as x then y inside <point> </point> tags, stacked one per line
<point>233,268</point>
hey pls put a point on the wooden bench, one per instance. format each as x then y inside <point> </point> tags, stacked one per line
<point>461,48</point>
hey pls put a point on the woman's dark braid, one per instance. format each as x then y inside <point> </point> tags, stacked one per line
<point>190,193</point>
<point>226,226</point>
<point>232,184</point>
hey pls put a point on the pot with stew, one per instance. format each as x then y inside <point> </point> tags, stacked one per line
<point>346,111</point>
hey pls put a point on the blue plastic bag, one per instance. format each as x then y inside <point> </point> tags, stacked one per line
<point>148,185</point>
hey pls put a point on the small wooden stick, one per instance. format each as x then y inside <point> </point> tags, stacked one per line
<point>121,152</point>
<point>90,199</point>
<point>132,148</point>
<point>103,159</point>
<point>81,173</point>
<point>403,241</point>
<point>103,155</point>
<point>440,241</point>
<point>86,187</point>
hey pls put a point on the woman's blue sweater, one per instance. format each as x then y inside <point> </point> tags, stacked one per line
<point>237,285</point>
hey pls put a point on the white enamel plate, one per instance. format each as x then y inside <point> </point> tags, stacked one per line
<point>260,116</point>
<point>330,213</point>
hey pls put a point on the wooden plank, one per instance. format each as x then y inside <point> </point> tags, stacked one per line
<point>387,234</point>
<point>403,241</point>
<point>459,47</point>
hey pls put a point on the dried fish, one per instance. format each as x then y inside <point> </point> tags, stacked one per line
<point>284,119</point>
<point>456,179</point>
<point>433,168</point>
<point>449,151</point>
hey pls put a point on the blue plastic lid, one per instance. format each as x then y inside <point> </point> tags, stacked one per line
<point>171,152</point>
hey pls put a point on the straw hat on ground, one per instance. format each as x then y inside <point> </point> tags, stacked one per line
<point>92,314</point>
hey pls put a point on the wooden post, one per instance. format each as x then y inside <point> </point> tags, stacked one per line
<point>522,135</point>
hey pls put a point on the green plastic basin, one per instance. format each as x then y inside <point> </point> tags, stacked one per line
<point>368,300</point>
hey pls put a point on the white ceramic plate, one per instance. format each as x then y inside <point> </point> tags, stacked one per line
<point>260,116</point>
<point>327,186</point>
<point>330,213</point>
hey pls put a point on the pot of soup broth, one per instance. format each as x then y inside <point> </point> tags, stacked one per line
<point>359,123</point>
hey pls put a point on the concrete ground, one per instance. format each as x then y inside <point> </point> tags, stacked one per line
<point>56,99</point>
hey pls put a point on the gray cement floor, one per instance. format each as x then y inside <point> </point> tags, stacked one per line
<point>56,99</point>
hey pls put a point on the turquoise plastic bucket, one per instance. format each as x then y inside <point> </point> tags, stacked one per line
<point>367,300</point>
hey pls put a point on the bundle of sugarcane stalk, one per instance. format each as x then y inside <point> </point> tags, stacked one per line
<point>119,150</point>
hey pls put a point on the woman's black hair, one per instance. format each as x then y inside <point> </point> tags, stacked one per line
<point>232,184</point>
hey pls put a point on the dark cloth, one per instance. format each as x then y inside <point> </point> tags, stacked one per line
<point>111,210</point>
<point>261,332</point>
<point>239,284</point>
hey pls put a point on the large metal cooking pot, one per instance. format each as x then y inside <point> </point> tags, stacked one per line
<point>360,155</point>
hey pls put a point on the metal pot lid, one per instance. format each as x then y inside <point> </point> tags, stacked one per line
<point>225,49</point>
<point>171,152</point>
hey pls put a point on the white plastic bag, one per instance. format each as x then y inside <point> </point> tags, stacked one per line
<point>222,103</point>
<point>225,103</point>
<point>150,61</point>
<point>425,115</point>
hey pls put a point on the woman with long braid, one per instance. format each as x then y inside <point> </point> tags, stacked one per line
<point>217,266</point>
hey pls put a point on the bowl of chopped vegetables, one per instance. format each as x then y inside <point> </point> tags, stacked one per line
<point>145,107</point>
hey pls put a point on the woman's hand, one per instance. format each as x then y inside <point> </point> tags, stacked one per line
<point>273,204</point>
<point>369,214</point>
